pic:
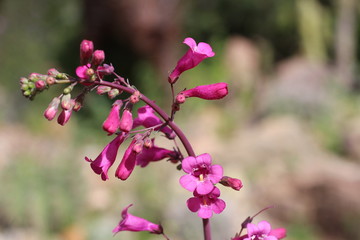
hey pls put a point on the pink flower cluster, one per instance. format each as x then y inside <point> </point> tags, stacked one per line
<point>262,231</point>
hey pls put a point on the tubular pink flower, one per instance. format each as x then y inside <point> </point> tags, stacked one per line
<point>107,157</point>
<point>52,109</point>
<point>136,224</point>
<point>153,154</point>
<point>86,51</point>
<point>191,59</point>
<point>126,121</point>
<point>112,122</point>
<point>205,205</point>
<point>209,92</point>
<point>201,174</point>
<point>262,231</point>
<point>147,118</point>
<point>127,163</point>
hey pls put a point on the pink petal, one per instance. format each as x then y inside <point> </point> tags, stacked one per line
<point>204,187</point>
<point>188,182</point>
<point>204,158</point>
<point>188,164</point>
<point>206,49</point>
<point>81,71</point>
<point>190,42</point>
<point>205,212</point>
<point>264,227</point>
<point>218,206</point>
<point>278,233</point>
<point>216,173</point>
<point>193,204</point>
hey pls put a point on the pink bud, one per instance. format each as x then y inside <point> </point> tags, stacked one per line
<point>135,97</point>
<point>86,51</point>
<point>234,183</point>
<point>50,80</point>
<point>126,121</point>
<point>66,102</point>
<point>127,163</point>
<point>138,146</point>
<point>102,89</point>
<point>106,69</point>
<point>208,92</point>
<point>64,117</point>
<point>52,72</point>
<point>112,122</point>
<point>40,84</point>
<point>98,58</point>
<point>52,109</point>
<point>180,98</point>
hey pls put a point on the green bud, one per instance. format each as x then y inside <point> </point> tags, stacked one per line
<point>31,85</point>
<point>27,93</point>
<point>67,90</point>
<point>24,87</point>
<point>61,76</point>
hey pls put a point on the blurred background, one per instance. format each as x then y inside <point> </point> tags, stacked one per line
<point>290,127</point>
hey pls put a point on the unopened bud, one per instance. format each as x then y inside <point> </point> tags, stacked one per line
<point>24,87</point>
<point>148,143</point>
<point>40,84</point>
<point>52,72</point>
<point>234,183</point>
<point>113,93</point>
<point>138,146</point>
<point>86,51</point>
<point>50,80</point>
<point>79,102</point>
<point>24,80</point>
<point>98,58</point>
<point>64,117</point>
<point>34,76</point>
<point>126,121</point>
<point>52,109</point>
<point>66,102</point>
<point>102,89</point>
<point>27,93</point>
<point>135,97</point>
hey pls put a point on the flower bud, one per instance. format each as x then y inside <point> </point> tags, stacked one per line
<point>64,117</point>
<point>86,51</point>
<point>52,72</point>
<point>234,183</point>
<point>138,146</point>
<point>126,121</point>
<point>112,122</point>
<point>24,80</point>
<point>34,76</point>
<point>102,89</point>
<point>148,143</point>
<point>40,84</point>
<point>180,98</point>
<point>135,97</point>
<point>106,69</point>
<point>66,102</point>
<point>50,80</point>
<point>208,92</point>
<point>52,109</point>
<point>98,58</point>
<point>79,102</point>
<point>113,93</point>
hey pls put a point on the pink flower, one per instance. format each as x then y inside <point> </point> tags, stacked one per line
<point>201,174</point>
<point>126,121</point>
<point>81,71</point>
<point>262,231</point>
<point>127,163</point>
<point>234,183</point>
<point>86,51</point>
<point>192,58</point>
<point>209,92</point>
<point>153,154</point>
<point>64,116</point>
<point>112,122</point>
<point>136,224</point>
<point>98,58</point>
<point>52,109</point>
<point>205,205</point>
<point>107,157</point>
<point>147,118</point>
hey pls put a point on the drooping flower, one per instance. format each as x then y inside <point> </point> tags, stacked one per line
<point>153,154</point>
<point>64,116</point>
<point>201,175</point>
<point>107,157</point>
<point>209,92</point>
<point>263,231</point>
<point>147,118</point>
<point>112,122</point>
<point>136,224</point>
<point>192,58</point>
<point>205,205</point>
<point>127,163</point>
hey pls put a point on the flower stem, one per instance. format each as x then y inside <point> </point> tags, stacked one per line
<point>207,229</point>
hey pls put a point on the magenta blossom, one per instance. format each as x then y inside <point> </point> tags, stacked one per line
<point>262,231</point>
<point>127,163</point>
<point>112,122</point>
<point>64,116</point>
<point>82,71</point>
<point>192,58</point>
<point>201,174</point>
<point>86,51</point>
<point>147,118</point>
<point>126,121</point>
<point>234,183</point>
<point>107,157</point>
<point>153,154</point>
<point>52,109</point>
<point>136,224</point>
<point>205,205</point>
<point>209,92</point>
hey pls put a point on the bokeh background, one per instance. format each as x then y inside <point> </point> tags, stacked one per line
<point>290,127</point>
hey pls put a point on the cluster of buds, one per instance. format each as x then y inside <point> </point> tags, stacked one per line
<point>36,82</point>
